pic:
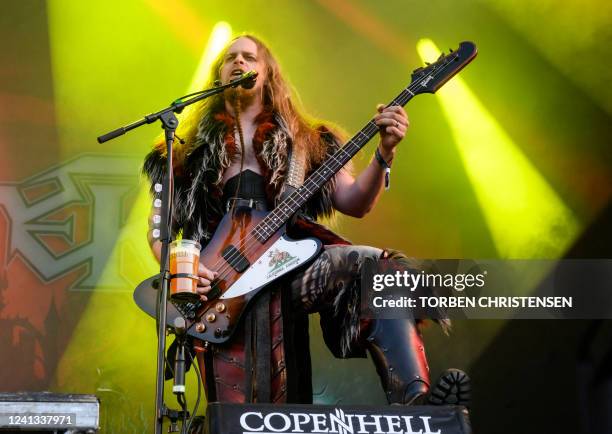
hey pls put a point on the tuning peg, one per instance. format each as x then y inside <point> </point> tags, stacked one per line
<point>441,56</point>
<point>451,50</point>
<point>427,63</point>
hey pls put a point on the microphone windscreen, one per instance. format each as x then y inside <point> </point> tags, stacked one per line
<point>249,83</point>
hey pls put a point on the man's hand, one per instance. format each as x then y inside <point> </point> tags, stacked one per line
<point>393,123</point>
<point>206,277</point>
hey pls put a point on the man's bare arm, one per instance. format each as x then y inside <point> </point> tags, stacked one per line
<point>357,196</point>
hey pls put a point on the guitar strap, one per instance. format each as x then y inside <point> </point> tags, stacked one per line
<point>296,173</point>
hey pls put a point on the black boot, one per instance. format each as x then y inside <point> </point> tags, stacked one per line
<point>452,388</point>
<point>398,353</point>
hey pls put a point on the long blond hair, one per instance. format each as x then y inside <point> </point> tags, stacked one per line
<point>277,97</point>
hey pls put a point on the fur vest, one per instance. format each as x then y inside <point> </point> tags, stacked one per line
<point>198,179</point>
<point>198,208</point>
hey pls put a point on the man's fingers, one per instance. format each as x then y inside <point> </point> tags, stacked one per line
<point>393,112</point>
<point>397,109</point>
<point>203,289</point>
<point>392,108</point>
<point>395,131</point>
<point>204,281</point>
<point>205,272</point>
<point>393,121</point>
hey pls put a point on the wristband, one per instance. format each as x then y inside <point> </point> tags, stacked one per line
<point>383,163</point>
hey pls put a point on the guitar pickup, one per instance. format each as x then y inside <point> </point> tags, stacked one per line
<point>214,292</point>
<point>235,258</point>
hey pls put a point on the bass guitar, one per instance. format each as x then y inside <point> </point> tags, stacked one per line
<point>250,248</point>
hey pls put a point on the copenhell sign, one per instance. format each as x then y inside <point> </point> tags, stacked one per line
<point>318,419</point>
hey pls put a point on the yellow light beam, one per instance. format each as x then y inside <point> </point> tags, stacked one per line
<point>113,318</point>
<point>182,20</point>
<point>526,217</point>
<point>219,37</point>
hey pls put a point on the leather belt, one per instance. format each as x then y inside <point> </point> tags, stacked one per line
<point>239,202</point>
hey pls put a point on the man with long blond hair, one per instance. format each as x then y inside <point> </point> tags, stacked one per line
<point>247,148</point>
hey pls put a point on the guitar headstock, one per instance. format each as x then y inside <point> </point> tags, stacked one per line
<point>430,78</point>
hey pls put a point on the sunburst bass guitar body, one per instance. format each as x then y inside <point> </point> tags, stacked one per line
<point>245,266</point>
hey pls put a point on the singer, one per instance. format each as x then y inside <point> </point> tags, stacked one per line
<point>246,148</point>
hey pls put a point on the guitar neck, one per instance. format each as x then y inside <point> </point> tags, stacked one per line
<point>332,165</point>
<point>425,80</point>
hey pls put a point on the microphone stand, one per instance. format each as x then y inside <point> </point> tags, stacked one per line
<point>169,123</point>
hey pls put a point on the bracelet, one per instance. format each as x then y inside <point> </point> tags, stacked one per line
<point>383,163</point>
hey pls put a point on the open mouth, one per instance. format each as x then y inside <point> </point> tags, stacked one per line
<point>236,73</point>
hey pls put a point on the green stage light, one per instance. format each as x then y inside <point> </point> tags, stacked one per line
<point>525,215</point>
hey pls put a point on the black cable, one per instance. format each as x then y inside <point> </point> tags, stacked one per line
<point>182,400</point>
<point>237,108</point>
<point>197,404</point>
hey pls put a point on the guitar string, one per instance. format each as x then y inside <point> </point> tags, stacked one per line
<point>336,158</point>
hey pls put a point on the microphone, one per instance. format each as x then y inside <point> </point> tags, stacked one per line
<point>246,80</point>
<point>179,361</point>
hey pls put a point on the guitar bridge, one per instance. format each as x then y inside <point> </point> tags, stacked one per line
<point>235,258</point>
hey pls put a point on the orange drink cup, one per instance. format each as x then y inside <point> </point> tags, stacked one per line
<point>184,261</point>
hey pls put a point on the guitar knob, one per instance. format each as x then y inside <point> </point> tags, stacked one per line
<point>200,327</point>
<point>211,317</point>
<point>218,333</point>
<point>220,307</point>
